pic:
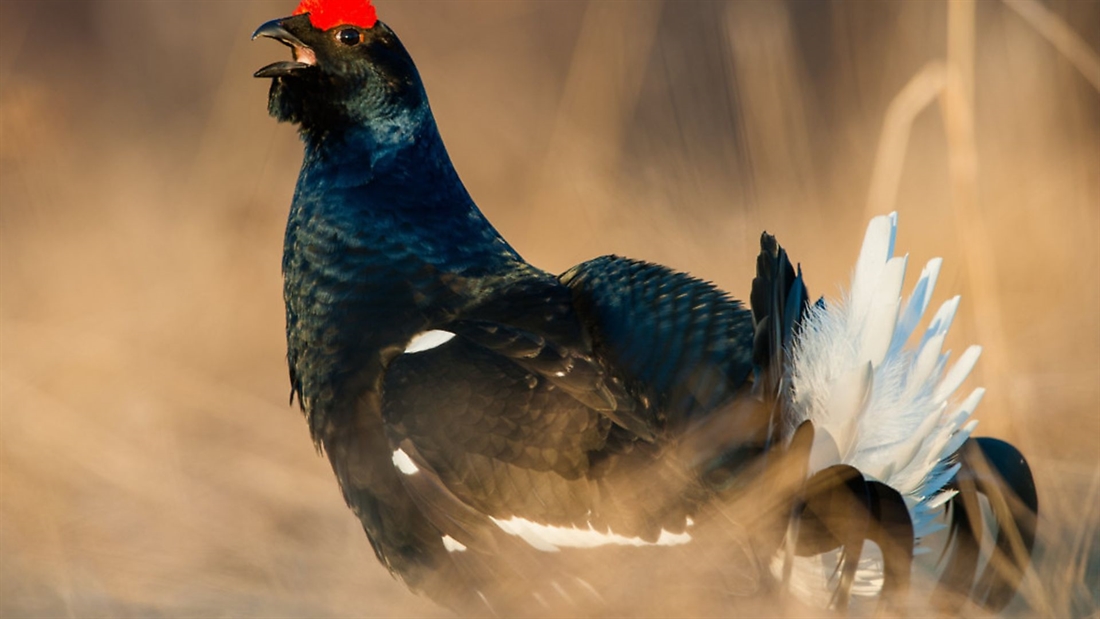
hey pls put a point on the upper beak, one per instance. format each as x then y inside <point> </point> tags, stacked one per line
<point>304,57</point>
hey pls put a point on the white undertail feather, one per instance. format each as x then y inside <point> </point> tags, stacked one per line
<point>878,402</point>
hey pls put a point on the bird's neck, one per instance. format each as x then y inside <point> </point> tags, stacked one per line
<point>390,185</point>
<point>361,151</point>
<point>383,241</point>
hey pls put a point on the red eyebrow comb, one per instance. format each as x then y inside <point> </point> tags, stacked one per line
<point>325,14</point>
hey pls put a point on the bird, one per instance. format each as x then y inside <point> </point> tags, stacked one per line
<point>495,426</point>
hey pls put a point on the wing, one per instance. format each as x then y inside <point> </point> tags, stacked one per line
<point>533,322</point>
<point>516,419</point>
<point>501,438</point>
<point>534,420</point>
<point>515,474</point>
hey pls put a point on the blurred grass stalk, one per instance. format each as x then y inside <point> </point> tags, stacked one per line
<point>1064,39</point>
<point>957,103</point>
<point>952,83</point>
<point>602,85</point>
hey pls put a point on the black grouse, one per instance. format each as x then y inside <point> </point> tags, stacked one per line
<point>488,421</point>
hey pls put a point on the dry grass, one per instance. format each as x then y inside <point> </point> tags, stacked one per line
<point>149,463</point>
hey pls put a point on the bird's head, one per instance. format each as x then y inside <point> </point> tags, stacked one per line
<point>348,69</point>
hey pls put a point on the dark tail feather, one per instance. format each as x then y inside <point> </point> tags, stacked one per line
<point>998,471</point>
<point>836,514</point>
<point>779,301</point>
<point>1021,504</point>
<point>892,530</point>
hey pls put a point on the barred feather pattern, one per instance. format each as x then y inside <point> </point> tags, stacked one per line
<point>877,402</point>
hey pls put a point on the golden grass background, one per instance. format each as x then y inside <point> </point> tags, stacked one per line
<point>149,463</point>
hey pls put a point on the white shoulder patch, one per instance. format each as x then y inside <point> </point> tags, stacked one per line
<point>428,340</point>
<point>404,463</point>
<point>453,545</point>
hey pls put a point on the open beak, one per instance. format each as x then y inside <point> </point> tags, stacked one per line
<point>304,58</point>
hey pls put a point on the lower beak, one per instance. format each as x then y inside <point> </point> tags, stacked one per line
<point>304,58</point>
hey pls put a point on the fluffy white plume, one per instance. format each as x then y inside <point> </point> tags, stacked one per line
<point>879,403</point>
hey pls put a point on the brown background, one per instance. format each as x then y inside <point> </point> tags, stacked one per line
<point>149,463</point>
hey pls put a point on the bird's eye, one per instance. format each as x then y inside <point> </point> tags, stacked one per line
<point>349,36</point>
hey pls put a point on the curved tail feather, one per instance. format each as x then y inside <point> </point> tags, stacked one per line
<point>893,533</point>
<point>998,471</point>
